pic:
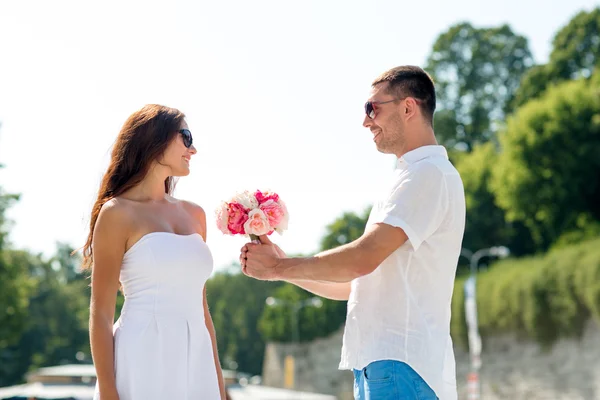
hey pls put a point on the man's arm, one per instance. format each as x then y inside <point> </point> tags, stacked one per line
<point>345,263</point>
<point>329,290</point>
<point>342,264</point>
<point>415,209</point>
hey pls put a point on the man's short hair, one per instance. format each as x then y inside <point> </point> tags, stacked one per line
<point>411,81</point>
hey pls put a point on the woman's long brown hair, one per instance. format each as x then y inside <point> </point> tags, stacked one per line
<point>143,138</point>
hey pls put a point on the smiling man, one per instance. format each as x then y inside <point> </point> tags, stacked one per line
<point>398,277</point>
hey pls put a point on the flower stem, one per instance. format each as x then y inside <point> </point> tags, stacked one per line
<point>254,238</point>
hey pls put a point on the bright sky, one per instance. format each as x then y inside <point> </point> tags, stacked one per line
<point>273,91</point>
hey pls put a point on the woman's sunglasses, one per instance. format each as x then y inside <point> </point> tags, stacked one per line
<point>187,137</point>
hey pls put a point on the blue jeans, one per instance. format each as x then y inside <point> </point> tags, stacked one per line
<point>390,380</point>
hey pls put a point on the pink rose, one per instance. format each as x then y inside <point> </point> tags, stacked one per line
<point>273,211</point>
<point>238,215</point>
<point>263,197</point>
<point>257,223</point>
<point>283,223</point>
<point>222,216</point>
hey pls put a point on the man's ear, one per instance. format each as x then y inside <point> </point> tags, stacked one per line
<point>411,107</point>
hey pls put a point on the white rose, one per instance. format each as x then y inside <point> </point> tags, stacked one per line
<point>247,199</point>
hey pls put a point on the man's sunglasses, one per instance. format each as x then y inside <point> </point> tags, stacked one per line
<point>370,107</point>
<point>187,137</point>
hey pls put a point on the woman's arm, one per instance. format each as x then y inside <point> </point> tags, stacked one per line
<point>199,217</point>
<point>213,337</point>
<point>109,247</point>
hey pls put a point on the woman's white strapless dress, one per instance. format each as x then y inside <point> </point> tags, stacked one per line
<point>162,347</point>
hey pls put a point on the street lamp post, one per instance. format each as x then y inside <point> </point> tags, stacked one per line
<point>474,387</point>
<point>295,307</point>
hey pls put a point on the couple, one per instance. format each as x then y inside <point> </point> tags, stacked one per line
<point>398,277</point>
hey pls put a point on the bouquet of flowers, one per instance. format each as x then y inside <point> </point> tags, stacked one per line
<point>253,214</point>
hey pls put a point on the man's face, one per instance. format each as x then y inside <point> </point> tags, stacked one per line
<point>385,120</point>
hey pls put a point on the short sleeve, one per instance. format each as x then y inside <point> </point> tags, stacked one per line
<point>417,204</point>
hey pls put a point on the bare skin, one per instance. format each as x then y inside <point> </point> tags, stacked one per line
<point>398,127</point>
<point>123,221</point>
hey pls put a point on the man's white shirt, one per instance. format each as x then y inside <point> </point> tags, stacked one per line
<point>401,311</point>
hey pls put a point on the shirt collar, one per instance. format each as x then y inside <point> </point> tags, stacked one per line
<point>420,153</point>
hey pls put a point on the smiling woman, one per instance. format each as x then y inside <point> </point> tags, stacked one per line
<point>152,245</point>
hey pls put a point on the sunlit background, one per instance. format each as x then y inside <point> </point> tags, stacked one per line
<point>273,92</point>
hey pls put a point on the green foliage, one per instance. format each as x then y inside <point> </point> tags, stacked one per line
<point>344,229</point>
<point>576,47</point>
<point>276,323</point>
<point>587,228</point>
<point>56,327</point>
<point>243,322</point>
<point>533,84</point>
<point>458,322</point>
<point>542,190</point>
<point>542,298</point>
<point>486,224</point>
<point>236,303</point>
<point>476,72</point>
<point>548,175</point>
<point>16,287</point>
<point>575,54</point>
<point>6,200</point>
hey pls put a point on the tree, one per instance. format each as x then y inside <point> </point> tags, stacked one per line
<point>575,54</point>
<point>345,229</point>
<point>6,200</point>
<point>243,322</point>
<point>476,71</point>
<point>548,175</point>
<point>67,264</point>
<point>236,303</point>
<point>16,287</point>
<point>576,47</point>
<point>56,330</point>
<point>486,223</point>
<point>276,323</point>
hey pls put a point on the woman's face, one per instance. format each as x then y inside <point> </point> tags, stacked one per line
<point>177,156</point>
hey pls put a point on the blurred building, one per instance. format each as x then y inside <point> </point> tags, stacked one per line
<point>77,382</point>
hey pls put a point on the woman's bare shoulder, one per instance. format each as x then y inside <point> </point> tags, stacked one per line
<point>116,213</point>
<point>193,208</point>
<point>198,215</point>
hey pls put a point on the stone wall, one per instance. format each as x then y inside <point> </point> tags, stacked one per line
<point>519,370</point>
<point>512,369</point>
<point>316,367</point>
